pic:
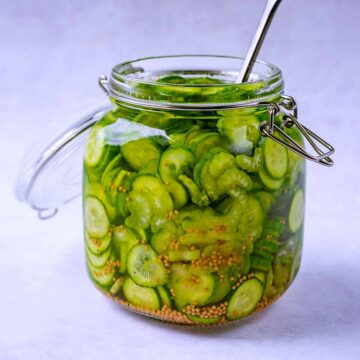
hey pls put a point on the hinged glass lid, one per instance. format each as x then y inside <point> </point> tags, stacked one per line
<point>51,173</point>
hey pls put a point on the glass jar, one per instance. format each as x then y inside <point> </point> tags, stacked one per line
<point>194,189</point>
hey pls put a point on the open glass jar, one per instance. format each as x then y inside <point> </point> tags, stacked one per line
<point>194,189</point>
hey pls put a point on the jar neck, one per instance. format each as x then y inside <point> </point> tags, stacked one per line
<point>153,82</point>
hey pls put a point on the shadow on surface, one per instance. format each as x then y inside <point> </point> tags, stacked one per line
<point>320,301</point>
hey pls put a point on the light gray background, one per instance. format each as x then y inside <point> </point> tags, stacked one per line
<point>51,53</point>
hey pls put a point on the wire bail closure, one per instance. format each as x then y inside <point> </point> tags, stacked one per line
<point>269,128</point>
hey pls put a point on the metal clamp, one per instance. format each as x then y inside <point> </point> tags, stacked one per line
<point>104,84</point>
<point>269,128</point>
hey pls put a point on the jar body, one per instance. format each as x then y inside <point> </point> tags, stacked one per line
<point>191,216</point>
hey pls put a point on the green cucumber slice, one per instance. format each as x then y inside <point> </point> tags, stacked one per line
<point>144,266</point>
<point>263,254</point>
<point>221,289</point>
<point>269,182</point>
<point>162,239</point>
<point>183,255</point>
<point>150,168</point>
<point>96,218</point>
<point>190,285</point>
<point>97,246</point>
<point>261,276</point>
<point>117,285</point>
<point>164,296</point>
<point>156,191</point>
<point>104,276</point>
<point>138,152</point>
<point>250,164</point>
<point>271,246</point>
<point>140,208</point>
<point>206,142</point>
<point>266,199</point>
<point>174,162</point>
<point>95,148</point>
<point>245,298</point>
<point>143,297</point>
<point>98,261</point>
<point>197,197</point>
<point>276,158</point>
<point>259,263</point>
<point>296,213</point>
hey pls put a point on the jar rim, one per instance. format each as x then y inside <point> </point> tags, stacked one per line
<point>138,80</point>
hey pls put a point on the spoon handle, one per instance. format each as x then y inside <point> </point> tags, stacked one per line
<point>269,13</point>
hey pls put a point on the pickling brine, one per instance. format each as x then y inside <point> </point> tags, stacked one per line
<point>192,216</point>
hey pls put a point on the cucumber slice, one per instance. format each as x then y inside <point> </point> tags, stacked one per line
<point>174,162</point>
<point>144,266</point>
<point>233,178</point>
<point>197,197</point>
<point>143,297</point>
<point>263,254</point>
<point>202,320</point>
<point>296,213</point>
<point>206,142</point>
<point>162,239</point>
<point>184,255</point>
<point>150,168</point>
<point>266,199</point>
<point>259,263</point>
<point>245,298</point>
<point>96,218</point>
<point>124,240</point>
<point>191,286</point>
<point>97,190</point>
<point>156,191</point>
<point>97,246</point>
<point>113,164</point>
<point>261,276</point>
<point>138,152</point>
<point>251,223</point>
<point>98,261</point>
<point>275,158</point>
<point>164,296</point>
<point>269,182</point>
<point>271,246</point>
<point>221,289</point>
<point>95,148</point>
<point>104,276</point>
<point>250,164</point>
<point>246,264</point>
<point>117,285</point>
<point>140,208</point>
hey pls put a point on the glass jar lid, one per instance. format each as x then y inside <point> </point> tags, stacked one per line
<point>51,173</point>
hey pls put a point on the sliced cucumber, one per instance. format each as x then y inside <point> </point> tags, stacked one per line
<point>269,182</point>
<point>98,260</point>
<point>261,276</point>
<point>150,168</point>
<point>191,286</point>
<point>296,213</point>
<point>164,296</point>
<point>96,149</point>
<point>276,158</point>
<point>104,276</point>
<point>184,255</point>
<point>221,289</point>
<point>138,152</point>
<point>162,239</point>
<point>259,263</point>
<point>245,298</point>
<point>156,191</point>
<point>144,266</point>
<point>97,246</point>
<point>250,164</point>
<point>140,208</point>
<point>174,162</point>
<point>197,197</point>
<point>206,142</point>
<point>266,199</point>
<point>271,246</point>
<point>117,285</point>
<point>96,218</point>
<point>263,254</point>
<point>143,297</point>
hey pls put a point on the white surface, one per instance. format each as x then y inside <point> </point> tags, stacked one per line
<point>51,54</point>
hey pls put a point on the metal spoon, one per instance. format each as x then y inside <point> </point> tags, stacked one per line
<point>258,39</point>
